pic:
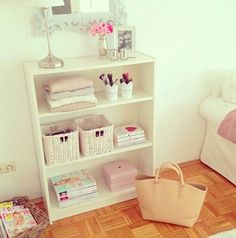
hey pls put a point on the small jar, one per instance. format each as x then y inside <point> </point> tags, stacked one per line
<point>124,54</point>
<point>113,54</point>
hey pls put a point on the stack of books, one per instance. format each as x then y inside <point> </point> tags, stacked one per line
<point>128,135</point>
<point>74,188</point>
<point>14,219</point>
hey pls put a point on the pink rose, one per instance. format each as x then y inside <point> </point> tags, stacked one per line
<point>101,28</point>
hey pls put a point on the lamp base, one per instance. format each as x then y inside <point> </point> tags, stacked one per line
<point>51,62</point>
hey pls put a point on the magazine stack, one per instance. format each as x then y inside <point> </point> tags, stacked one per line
<point>74,188</point>
<point>128,135</point>
<point>14,219</point>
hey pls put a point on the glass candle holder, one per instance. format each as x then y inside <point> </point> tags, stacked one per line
<point>124,54</point>
<point>113,54</point>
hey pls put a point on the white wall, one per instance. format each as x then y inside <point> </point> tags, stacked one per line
<point>194,43</point>
<point>192,40</point>
<point>16,46</point>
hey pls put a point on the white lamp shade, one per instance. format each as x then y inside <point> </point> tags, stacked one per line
<point>43,3</point>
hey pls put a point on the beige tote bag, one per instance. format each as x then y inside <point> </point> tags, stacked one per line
<point>168,200</point>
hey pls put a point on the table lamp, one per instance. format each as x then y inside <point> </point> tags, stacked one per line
<point>49,62</point>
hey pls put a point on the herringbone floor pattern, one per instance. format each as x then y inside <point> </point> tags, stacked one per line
<point>124,220</point>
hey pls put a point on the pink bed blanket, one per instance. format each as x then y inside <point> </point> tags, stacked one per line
<point>227,127</point>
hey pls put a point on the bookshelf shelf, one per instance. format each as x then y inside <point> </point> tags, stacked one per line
<point>105,198</point>
<point>95,157</point>
<point>140,109</point>
<point>138,96</point>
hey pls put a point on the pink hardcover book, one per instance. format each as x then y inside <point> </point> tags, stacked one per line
<point>127,131</point>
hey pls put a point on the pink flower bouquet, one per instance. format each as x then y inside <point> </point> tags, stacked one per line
<point>101,28</point>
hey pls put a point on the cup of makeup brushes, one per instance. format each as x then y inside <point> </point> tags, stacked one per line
<point>112,92</point>
<point>126,86</point>
<point>111,86</point>
<point>126,89</point>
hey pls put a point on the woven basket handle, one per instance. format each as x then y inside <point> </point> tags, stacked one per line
<point>63,138</point>
<point>173,166</point>
<point>99,133</point>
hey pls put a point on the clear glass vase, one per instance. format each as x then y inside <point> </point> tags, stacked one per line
<point>102,46</point>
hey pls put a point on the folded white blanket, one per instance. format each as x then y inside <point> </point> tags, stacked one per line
<point>66,101</point>
<point>72,107</point>
<point>66,83</point>
<point>67,94</point>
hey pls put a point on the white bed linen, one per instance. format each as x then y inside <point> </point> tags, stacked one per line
<point>217,152</point>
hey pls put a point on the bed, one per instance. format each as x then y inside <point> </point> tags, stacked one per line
<point>217,152</point>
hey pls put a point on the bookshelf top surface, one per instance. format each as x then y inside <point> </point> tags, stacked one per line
<point>85,63</point>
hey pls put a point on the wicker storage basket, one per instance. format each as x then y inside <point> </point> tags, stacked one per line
<point>39,216</point>
<point>60,143</point>
<point>96,134</point>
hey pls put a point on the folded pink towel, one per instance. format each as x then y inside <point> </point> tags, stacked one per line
<point>227,127</point>
<point>66,83</point>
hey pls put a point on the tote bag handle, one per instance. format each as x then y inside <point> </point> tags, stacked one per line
<point>173,166</point>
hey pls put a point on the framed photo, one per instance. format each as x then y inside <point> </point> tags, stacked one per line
<point>126,39</point>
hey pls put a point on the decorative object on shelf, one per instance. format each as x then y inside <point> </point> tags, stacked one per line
<point>49,62</point>
<point>102,46</point>
<point>111,86</point>
<point>60,142</point>
<point>96,134</point>
<point>69,93</point>
<point>124,53</point>
<point>101,29</point>
<point>74,187</point>
<point>119,174</point>
<point>126,85</point>
<point>128,135</point>
<point>113,54</point>
<point>126,40</point>
<point>170,201</point>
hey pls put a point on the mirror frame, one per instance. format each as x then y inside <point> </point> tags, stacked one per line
<point>81,22</point>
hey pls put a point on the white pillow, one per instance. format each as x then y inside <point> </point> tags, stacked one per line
<point>216,90</point>
<point>229,90</point>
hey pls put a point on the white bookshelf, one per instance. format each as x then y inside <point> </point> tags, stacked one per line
<point>139,109</point>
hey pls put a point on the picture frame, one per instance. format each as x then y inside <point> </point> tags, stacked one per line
<point>125,38</point>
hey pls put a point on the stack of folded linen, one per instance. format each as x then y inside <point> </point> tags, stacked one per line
<point>68,93</point>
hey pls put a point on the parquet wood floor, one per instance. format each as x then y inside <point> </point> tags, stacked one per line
<point>124,220</point>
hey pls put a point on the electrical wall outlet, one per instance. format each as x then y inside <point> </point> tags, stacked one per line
<point>7,167</point>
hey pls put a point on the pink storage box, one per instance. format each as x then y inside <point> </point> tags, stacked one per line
<point>122,185</point>
<point>119,174</point>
